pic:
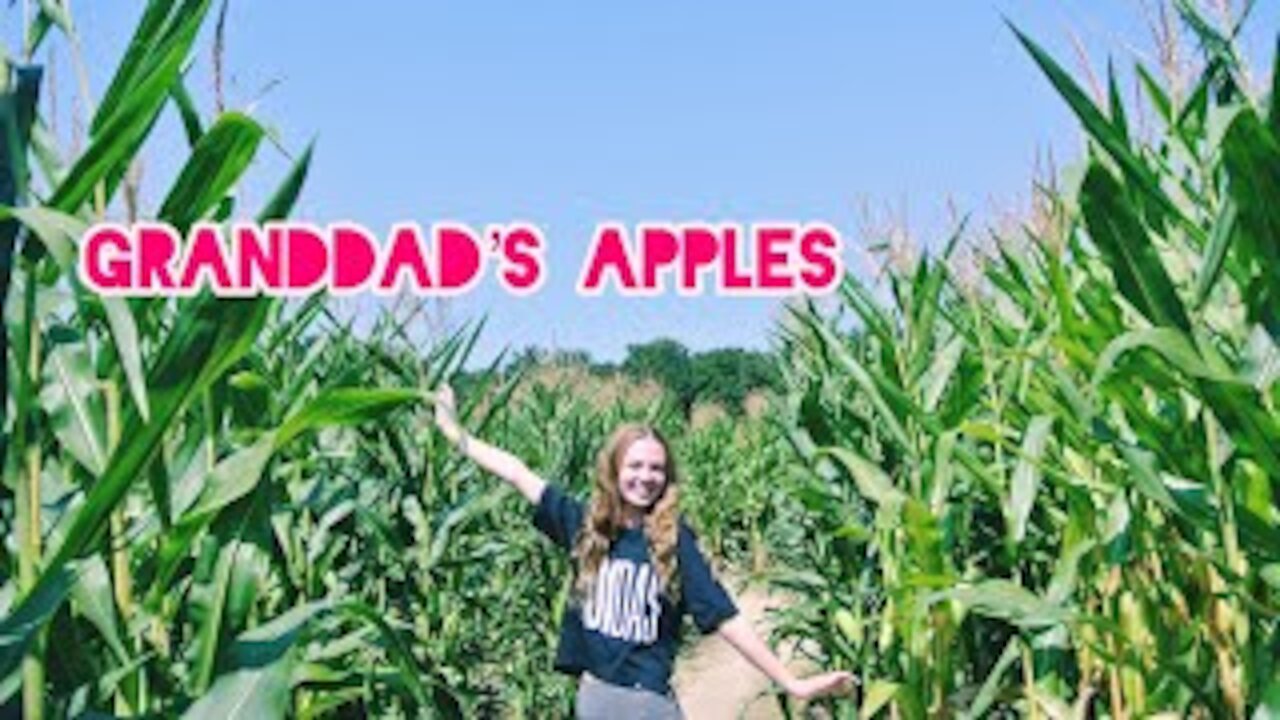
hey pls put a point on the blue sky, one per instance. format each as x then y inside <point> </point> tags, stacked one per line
<point>567,114</point>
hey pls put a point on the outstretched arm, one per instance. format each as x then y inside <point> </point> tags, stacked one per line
<point>738,632</point>
<point>494,459</point>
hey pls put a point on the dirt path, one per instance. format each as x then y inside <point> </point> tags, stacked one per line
<point>714,682</point>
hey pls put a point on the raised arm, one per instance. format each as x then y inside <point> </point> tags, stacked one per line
<point>737,632</point>
<point>494,459</point>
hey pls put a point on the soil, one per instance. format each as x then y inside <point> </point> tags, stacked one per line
<point>714,682</point>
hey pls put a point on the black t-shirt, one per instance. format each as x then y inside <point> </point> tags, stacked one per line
<point>627,633</point>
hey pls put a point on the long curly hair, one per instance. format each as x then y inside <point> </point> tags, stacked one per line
<point>605,514</point>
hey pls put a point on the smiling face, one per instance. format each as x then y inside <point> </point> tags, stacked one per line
<point>642,475</point>
<point>636,486</point>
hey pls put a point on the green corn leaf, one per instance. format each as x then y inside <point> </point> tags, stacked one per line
<point>1270,574</point>
<point>862,377</point>
<point>1242,411</point>
<point>93,596</point>
<point>39,29</point>
<point>238,537</point>
<point>60,234</point>
<point>112,149</point>
<point>124,331</point>
<point>453,519</point>
<point>1067,570</point>
<point>235,476</point>
<point>1220,239</point>
<point>1251,155</point>
<point>231,479</point>
<point>991,686</point>
<point>107,683</point>
<point>56,231</point>
<point>124,119</point>
<point>1174,346</point>
<point>943,473</point>
<point>1118,232</point>
<point>1273,113</point>
<point>140,50</point>
<point>217,161</point>
<point>1259,533</point>
<point>19,627</point>
<point>342,407</point>
<point>1216,45</point>
<point>454,352</point>
<point>207,337</point>
<point>249,693</point>
<point>1194,502</point>
<point>285,196</point>
<point>1009,601</point>
<point>186,105</point>
<point>1159,98</point>
<point>1118,119</point>
<point>1146,476</point>
<point>71,399</point>
<point>1269,704</point>
<point>47,154</point>
<point>1026,475</point>
<point>925,294</point>
<point>940,372</point>
<point>1191,122</point>
<point>18,122</point>
<point>858,297</point>
<point>872,482</point>
<point>1102,130</point>
<point>411,670</point>
<point>879,694</point>
<point>212,626</point>
<point>165,32</point>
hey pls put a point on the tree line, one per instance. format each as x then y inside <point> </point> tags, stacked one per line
<point>724,376</point>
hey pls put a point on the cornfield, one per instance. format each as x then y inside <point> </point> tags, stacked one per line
<point>1053,491</point>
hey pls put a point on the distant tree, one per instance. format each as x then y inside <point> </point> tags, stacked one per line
<point>604,369</point>
<point>531,356</point>
<point>571,357</point>
<point>666,361</point>
<point>726,376</point>
<point>526,357</point>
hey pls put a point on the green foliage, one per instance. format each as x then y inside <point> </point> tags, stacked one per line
<point>727,376</point>
<point>724,376</point>
<point>1051,494</point>
<point>666,361</point>
<point>1054,493</point>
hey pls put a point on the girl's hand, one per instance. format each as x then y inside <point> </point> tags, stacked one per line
<point>491,458</point>
<point>739,633</point>
<point>446,414</point>
<point>831,683</point>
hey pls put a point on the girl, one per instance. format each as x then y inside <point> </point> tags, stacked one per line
<point>638,570</point>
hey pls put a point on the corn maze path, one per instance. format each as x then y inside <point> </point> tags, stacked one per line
<point>714,682</point>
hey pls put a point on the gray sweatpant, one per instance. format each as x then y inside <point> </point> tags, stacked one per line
<point>598,700</point>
